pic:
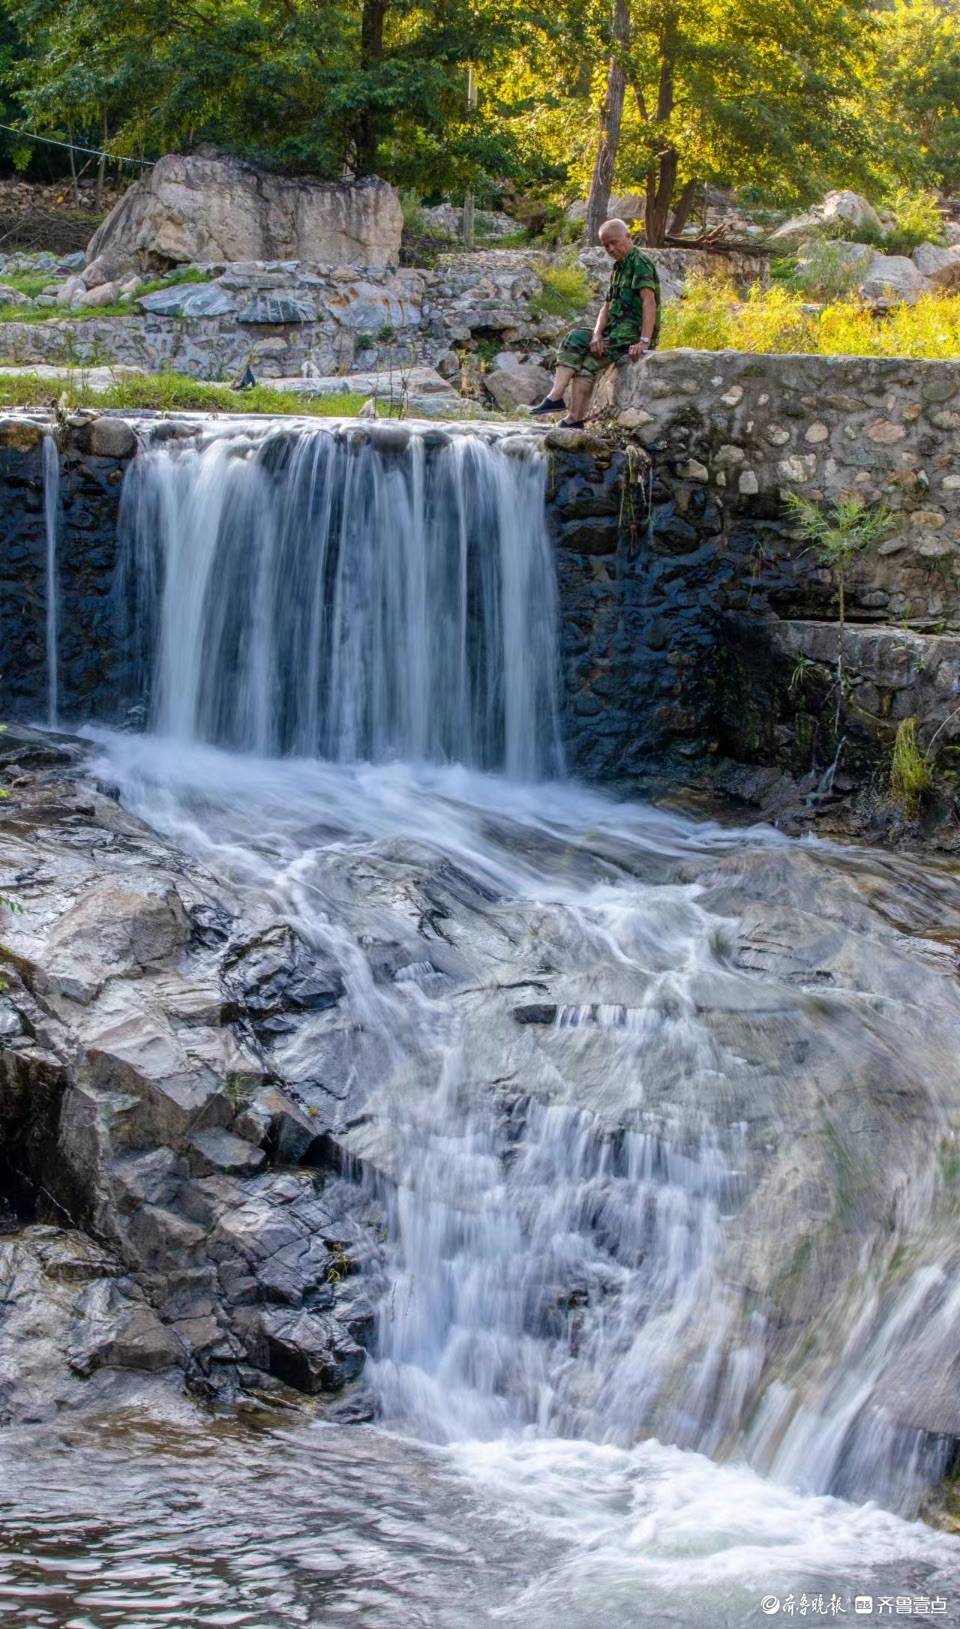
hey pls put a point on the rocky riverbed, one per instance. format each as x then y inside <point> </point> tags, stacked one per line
<point>231,1037</point>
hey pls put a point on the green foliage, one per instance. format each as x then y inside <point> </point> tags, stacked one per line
<point>565,292</point>
<point>909,93</point>
<point>911,776</point>
<point>168,392</point>
<point>837,534</point>
<point>712,316</point>
<point>919,219</point>
<point>841,531</point>
<point>780,100</point>
<point>27,282</point>
<point>302,85</point>
<point>828,272</point>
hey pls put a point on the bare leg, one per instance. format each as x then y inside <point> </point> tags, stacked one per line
<point>580,393</point>
<point>561,379</point>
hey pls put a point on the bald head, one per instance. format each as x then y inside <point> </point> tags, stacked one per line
<point>615,238</point>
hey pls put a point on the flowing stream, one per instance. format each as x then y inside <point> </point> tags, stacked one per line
<point>660,1113</point>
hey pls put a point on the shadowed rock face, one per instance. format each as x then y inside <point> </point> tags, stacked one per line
<point>137,1107</point>
<point>202,209</point>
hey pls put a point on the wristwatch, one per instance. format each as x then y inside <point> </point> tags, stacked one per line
<point>644,342</point>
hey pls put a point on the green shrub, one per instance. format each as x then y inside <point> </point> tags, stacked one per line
<point>919,219</point>
<point>712,316</point>
<point>829,273</point>
<point>565,292</point>
<point>413,217</point>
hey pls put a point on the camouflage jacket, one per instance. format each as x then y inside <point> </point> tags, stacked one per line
<point>624,296</point>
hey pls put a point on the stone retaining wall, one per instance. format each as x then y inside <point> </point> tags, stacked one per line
<point>285,318</point>
<point>730,435</point>
<point>697,632</point>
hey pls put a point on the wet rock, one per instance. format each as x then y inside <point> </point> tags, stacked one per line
<point>276,1122</point>
<point>536,1012</point>
<point>68,1309</point>
<point>113,930</point>
<point>216,1149</point>
<point>311,1351</point>
<point>277,973</point>
<point>108,438</point>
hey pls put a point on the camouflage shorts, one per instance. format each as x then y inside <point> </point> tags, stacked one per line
<point>575,353</point>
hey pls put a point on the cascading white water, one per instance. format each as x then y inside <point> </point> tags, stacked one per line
<point>51,517</point>
<point>325,592</point>
<point>570,1187</point>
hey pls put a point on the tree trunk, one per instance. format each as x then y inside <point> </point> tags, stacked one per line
<point>664,159</point>
<point>74,183</point>
<point>611,116</point>
<point>102,163</point>
<point>661,180</point>
<point>682,209</point>
<point>371,52</point>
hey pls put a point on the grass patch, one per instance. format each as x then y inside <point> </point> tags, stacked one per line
<point>29,283</point>
<point>911,777</point>
<point>33,283</point>
<point>712,316</point>
<point>168,392</point>
<point>565,292</point>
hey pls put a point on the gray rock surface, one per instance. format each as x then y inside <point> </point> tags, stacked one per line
<point>138,1105</point>
<point>844,206</point>
<point>518,385</point>
<point>193,208</point>
<point>189,300</point>
<point>892,277</point>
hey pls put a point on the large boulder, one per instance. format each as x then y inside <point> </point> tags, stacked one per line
<point>519,384</point>
<point>625,206</point>
<point>205,208</point>
<point>892,277</point>
<point>843,207</point>
<point>940,266</point>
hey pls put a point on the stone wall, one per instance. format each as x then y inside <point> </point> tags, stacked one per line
<point>697,633</point>
<point>730,435</point>
<point>286,318</point>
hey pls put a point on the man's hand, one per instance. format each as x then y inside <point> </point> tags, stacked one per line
<point>598,344</point>
<point>639,349</point>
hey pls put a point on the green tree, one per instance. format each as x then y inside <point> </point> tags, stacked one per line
<point>317,85</point>
<point>729,91</point>
<point>911,102</point>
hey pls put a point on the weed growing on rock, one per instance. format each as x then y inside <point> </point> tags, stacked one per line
<point>837,534</point>
<point>911,776</point>
<point>565,292</point>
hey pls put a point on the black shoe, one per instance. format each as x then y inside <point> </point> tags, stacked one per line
<point>571,424</point>
<point>548,405</point>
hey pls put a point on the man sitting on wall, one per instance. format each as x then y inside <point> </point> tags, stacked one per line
<point>626,329</point>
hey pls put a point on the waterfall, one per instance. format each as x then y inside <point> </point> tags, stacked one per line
<point>353,596</point>
<point>585,1239</point>
<point>51,513</point>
